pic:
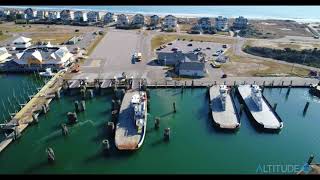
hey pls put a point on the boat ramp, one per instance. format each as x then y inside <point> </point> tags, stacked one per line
<point>264,116</point>
<point>224,116</point>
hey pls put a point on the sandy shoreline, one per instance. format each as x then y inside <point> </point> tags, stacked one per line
<point>179,15</point>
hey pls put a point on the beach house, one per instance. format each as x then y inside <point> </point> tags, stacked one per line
<point>22,42</point>
<point>240,23</point>
<point>53,15</point>
<point>109,17</point>
<point>205,24</point>
<point>93,16</point>
<point>29,13</point>
<point>221,23</point>
<point>169,23</point>
<point>137,20</point>
<point>4,54</point>
<point>122,21</point>
<point>66,15</point>
<point>42,57</point>
<point>41,14</point>
<point>80,16</point>
<point>154,21</point>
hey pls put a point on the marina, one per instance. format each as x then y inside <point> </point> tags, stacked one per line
<point>258,109</point>
<point>223,110</point>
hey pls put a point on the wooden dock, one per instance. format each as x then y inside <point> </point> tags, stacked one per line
<point>127,136</point>
<point>34,106</point>
<point>267,118</point>
<point>225,119</point>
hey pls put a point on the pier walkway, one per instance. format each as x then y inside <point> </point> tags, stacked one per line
<point>24,117</point>
<point>266,118</point>
<point>226,119</point>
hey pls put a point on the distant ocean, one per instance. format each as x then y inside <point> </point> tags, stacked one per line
<point>297,13</point>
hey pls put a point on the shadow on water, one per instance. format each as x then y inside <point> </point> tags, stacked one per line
<point>36,167</point>
<point>167,114</point>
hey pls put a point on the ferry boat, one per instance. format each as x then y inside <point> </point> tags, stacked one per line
<point>256,96</point>
<point>47,73</point>
<point>223,90</point>
<point>139,105</point>
<point>132,121</point>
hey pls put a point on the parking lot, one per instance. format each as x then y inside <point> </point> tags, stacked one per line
<point>208,48</point>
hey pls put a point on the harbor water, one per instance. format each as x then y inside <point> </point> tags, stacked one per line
<point>195,146</point>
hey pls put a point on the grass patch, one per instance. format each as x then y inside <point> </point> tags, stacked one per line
<point>4,37</point>
<point>243,66</point>
<point>54,38</point>
<point>185,27</point>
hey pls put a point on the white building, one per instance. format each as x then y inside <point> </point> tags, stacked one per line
<point>4,55</point>
<point>122,21</point>
<point>221,23</point>
<point>169,23</point>
<point>44,56</point>
<point>108,18</point>
<point>80,16</point>
<point>22,42</point>
<point>240,23</point>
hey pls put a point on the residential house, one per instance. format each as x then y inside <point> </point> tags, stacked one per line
<point>205,24</point>
<point>66,15</point>
<point>44,57</point>
<point>93,16</point>
<point>4,54</point>
<point>154,20</point>
<point>41,14</point>
<point>240,23</point>
<point>122,21</point>
<point>196,29</point>
<point>175,57</point>
<point>29,13</point>
<point>22,42</point>
<point>108,18</point>
<point>169,23</point>
<point>221,23</point>
<point>80,16</point>
<point>53,15</point>
<point>138,20</point>
<point>191,68</point>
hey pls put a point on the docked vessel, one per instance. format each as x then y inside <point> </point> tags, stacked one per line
<point>131,126</point>
<point>47,73</point>
<point>315,90</point>
<point>223,90</point>
<point>256,96</point>
<point>222,108</point>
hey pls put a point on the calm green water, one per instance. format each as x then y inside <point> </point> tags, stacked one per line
<point>195,145</point>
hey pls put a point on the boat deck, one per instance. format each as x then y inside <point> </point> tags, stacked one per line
<point>227,118</point>
<point>266,117</point>
<point>127,136</point>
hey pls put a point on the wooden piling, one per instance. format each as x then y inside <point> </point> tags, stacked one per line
<point>83,105</point>
<point>174,107</point>
<point>35,118</point>
<point>166,134</point>
<point>157,123</point>
<point>106,145</point>
<point>306,108</point>
<point>64,129</point>
<point>275,106</point>
<point>76,106</point>
<point>50,154</point>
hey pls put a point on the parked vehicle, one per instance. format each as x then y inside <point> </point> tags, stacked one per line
<point>224,46</point>
<point>224,76</point>
<point>174,49</point>
<point>169,43</point>
<point>190,44</point>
